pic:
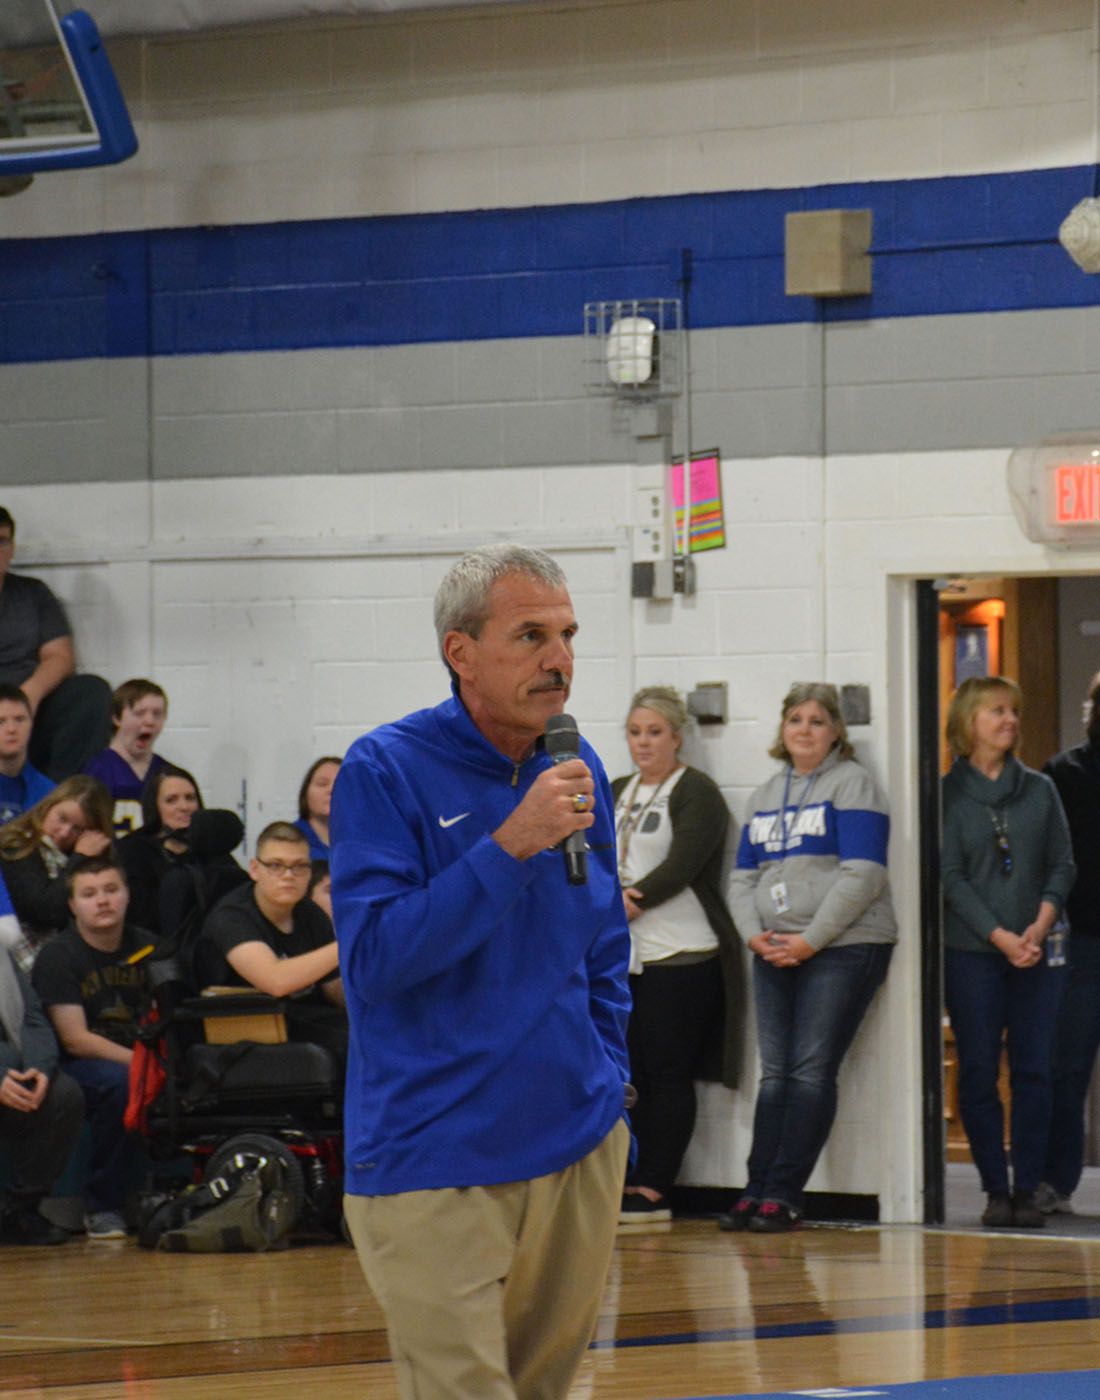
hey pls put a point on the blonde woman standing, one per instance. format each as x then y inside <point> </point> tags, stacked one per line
<point>1007,867</point>
<point>671,822</point>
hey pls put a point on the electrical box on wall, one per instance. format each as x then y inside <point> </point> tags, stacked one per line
<point>652,578</point>
<point>827,253</point>
<point>708,702</point>
<point>650,523</point>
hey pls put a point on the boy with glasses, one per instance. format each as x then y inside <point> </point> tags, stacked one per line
<point>270,935</point>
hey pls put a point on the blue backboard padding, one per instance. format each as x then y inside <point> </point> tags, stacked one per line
<point>941,246</point>
<point>117,141</point>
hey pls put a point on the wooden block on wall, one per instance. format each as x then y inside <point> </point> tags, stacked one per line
<point>827,253</point>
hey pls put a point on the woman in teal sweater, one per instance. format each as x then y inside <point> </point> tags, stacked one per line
<point>1007,868</point>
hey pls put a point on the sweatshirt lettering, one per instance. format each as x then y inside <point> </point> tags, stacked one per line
<point>766,829</point>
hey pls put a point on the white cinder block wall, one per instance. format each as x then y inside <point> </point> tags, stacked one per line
<point>226,522</point>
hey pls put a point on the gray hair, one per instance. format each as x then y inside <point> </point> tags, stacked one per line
<point>663,700</point>
<point>826,696</point>
<point>462,599</point>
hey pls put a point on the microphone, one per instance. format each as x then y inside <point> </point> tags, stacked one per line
<point>563,742</point>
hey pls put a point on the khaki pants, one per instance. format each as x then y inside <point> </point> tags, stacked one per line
<point>492,1292</point>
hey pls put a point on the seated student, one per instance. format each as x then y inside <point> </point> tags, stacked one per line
<point>320,885</point>
<point>314,804</point>
<point>139,709</point>
<point>270,935</point>
<point>35,850</point>
<point>41,1110</point>
<point>92,981</point>
<point>163,842</point>
<point>21,784</point>
<point>71,712</point>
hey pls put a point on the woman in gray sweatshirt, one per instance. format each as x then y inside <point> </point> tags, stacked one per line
<point>810,897</point>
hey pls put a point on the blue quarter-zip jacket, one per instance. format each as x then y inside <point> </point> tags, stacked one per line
<point>487,997</point>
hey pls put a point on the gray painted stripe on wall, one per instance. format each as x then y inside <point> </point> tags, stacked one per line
<point>911,384</point>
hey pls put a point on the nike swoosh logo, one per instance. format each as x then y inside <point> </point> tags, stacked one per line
<point>450,821</point>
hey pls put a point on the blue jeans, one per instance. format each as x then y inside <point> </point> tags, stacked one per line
<point>106,1087</point>
<point>1075,1045</point>
<point>986,998</point>
<point>807,1017</point>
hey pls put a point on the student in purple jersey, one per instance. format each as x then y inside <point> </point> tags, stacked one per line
<point>810,897</point>
<point>139,709</point>
<point>21,784</point>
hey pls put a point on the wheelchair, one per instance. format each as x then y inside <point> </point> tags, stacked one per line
<point>218,1081</point>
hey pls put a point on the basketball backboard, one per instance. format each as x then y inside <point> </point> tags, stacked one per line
<point>60,104</point>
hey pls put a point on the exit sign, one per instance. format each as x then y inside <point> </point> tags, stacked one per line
<point>1054,486</point>
<point>1077,493</point>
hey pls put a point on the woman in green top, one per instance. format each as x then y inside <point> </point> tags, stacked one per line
<point>671,822</point>
<point>1007,868</point>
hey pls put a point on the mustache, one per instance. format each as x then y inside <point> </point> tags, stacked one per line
<point>556,681</point>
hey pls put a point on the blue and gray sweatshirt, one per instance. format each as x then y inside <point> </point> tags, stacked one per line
<point>823,839</point>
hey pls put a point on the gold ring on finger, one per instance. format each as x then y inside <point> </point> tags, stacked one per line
<point>580,802</point>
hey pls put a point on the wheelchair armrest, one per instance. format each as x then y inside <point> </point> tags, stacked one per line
<point>231,1014</point>
<point>232,1001</point>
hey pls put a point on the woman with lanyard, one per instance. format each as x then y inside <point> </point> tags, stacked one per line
<point>811,898</point>
<point>671,822</point>
<point>1007,867</point>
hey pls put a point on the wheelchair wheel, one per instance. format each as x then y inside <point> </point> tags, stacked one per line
<point>254,1148</point>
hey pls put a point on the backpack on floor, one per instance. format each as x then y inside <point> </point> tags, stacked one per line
<point>246,1207</point>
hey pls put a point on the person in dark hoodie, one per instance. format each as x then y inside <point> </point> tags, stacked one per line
<point>1007,867</point>
<point>1076,775</point>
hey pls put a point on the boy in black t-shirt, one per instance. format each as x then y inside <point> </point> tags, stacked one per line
<point>91,979</point>
<point>270,935</point>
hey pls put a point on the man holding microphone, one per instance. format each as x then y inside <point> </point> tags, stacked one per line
<point>487,996</point>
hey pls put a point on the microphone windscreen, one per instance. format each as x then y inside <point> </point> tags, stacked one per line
<point>562,737</point>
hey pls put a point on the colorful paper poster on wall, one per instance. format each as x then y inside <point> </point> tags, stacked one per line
<point>708,524</point>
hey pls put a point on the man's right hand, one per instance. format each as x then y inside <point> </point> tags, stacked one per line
<point>547,814</point>
<point>23,1089</point>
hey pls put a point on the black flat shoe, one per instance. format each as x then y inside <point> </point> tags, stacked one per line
<point>28,1226</point>
<point>998,1211</point>
<point>738,1218</point>
<point>1026,1215</point>
<point>775,1218</point>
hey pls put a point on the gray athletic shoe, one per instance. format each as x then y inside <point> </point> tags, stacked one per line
<point>105,1225</point>
<point>1050,1202</point>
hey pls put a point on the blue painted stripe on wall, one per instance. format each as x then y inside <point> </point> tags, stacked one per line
<point>953,245</point>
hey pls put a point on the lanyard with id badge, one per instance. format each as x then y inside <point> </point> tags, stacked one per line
<point>780,901</point>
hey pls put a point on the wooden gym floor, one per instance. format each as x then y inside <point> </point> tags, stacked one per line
<point>688,1312</point>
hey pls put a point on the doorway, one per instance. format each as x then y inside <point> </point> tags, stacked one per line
<point>1044,633</point>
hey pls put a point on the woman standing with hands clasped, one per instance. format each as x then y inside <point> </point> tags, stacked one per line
<point>671,823</point>
<point>1007,867</point>
<point>811,898</point>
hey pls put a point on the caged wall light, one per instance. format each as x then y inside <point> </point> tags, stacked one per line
<point>634,347</point>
